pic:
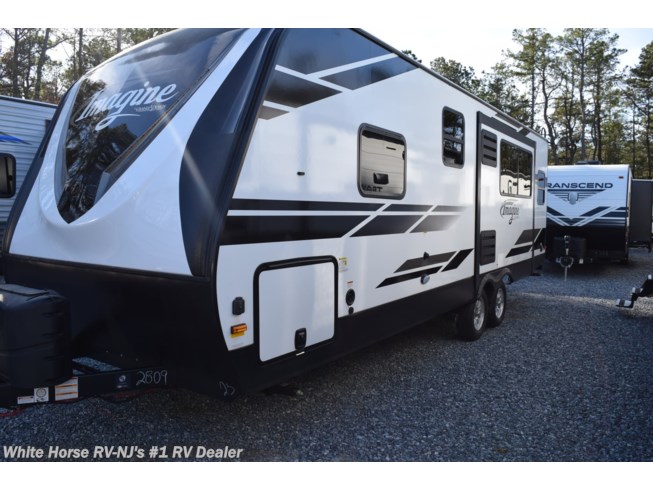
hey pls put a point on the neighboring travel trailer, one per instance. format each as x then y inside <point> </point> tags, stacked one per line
<point>287,197</point>
<point>587,213</point>
<point>22,127</point>
<point>641,213</point>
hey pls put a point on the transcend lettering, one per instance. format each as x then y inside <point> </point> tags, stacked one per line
<point>117,102</point>
<point>580,185</point>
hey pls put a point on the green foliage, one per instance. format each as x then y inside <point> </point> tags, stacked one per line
<point>463,76</point>
<point>412,55</point>
<point>499,88</point>
<point>28,68</point>
<point>136,36</point>
<point>569,87</point>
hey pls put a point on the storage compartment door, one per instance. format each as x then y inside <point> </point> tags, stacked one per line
<point>296,307</point>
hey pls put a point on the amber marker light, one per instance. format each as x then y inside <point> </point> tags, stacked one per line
<point>238,330</point>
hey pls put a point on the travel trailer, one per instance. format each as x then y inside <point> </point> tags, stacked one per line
<point>588,213</point>
<point>22,127</point>
<point>287,197</point>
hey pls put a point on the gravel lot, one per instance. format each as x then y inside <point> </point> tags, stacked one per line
<point>567,377</point>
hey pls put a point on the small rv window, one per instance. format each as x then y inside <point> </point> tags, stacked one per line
<point>516,171</point>
<point>381,163</point>
<point>453,138</point>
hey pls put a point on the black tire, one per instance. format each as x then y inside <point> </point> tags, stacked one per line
<point>497,306</point>
<point>472,318</point>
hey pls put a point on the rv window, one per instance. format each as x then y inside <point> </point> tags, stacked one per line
<point>381,163</point>
<point>7,175</point>
<point>453,138</point>
<point>516,171</point>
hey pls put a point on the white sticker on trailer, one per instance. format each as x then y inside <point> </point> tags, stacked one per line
<point>67,391</point>
<point>41,395</point>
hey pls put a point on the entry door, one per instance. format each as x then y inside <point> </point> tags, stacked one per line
<point>505,193</point>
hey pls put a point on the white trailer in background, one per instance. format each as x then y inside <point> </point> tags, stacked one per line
<point>22,126</point>
<point>588,212</point>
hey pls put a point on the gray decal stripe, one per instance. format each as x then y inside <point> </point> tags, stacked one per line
<point>407,277</point>
<point>270,112</point>
<point>387,225</point>
<point>268,220</point>
<point>595,211</point>
<point>366,75</point>
<point>519,250</point>
<point>539,240</point>
<point>457,260</point>
<point>453,264</point>
<point>449,209</point>
<point>435,223</point>
<point>423,262</point>
<point>315,50</point>
<point>553,212</point>
<point>572,221</point>
<point>408,208</point>
<point>264,229</point>
<point>295,92</point>
<point>526,237</point>
<point>282,205</point>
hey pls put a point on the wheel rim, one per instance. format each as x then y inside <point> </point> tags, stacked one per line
<point>500,303</point>
<point>479,314</point>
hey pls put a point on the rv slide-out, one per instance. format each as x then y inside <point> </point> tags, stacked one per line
<point>287,197</point>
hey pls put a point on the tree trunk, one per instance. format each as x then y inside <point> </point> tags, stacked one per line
<point>41,63</point>
<point>119,40</point>
<point>80,53</point>
<point>533,96</point>
<point>581,92</point>
<point>634,141</point>
<point>547,121</point>
<point>15,91</point>
<point>648,143</point>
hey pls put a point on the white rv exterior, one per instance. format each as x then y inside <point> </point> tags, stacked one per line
<point>22,126</point>
<point>590,204</point>
<point>304,194</point>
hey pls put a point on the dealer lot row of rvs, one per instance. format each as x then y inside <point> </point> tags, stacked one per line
<point>287,198</point>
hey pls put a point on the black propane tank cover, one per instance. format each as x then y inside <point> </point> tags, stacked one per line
<point>35,343</point>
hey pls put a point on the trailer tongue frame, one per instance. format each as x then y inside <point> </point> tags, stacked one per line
<point>88,381</point>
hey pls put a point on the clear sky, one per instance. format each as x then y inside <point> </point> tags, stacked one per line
<point>473,32</point>
<point>482,47</point>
